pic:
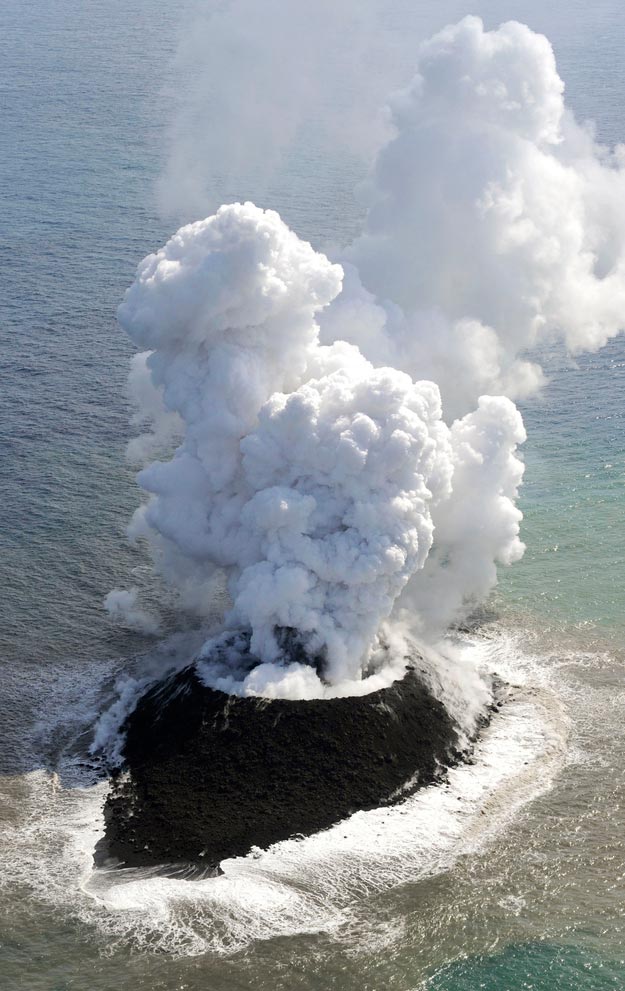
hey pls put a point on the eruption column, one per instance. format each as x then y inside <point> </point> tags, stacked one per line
<point>309,476</point>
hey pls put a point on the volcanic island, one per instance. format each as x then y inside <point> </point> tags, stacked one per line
<point>206,776</point>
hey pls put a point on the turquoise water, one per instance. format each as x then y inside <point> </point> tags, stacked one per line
<point>572,498</point>
<point>535,967</point>
<point>86,91</point>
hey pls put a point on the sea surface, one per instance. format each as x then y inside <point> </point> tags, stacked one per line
<point>510,877</point>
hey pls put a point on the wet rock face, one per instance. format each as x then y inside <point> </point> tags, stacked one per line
<point>207,775</point>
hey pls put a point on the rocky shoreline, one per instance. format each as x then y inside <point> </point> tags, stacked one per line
<point>207,776</point>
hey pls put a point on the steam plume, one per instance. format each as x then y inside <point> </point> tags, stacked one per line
<point>336,494</point>
<point>495,222</point>
<point>304,472</point>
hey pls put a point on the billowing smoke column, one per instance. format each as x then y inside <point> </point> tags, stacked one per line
<point>329,488</point>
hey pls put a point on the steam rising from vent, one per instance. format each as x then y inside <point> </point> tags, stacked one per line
<point>309,476</point>
<point>342,503</point>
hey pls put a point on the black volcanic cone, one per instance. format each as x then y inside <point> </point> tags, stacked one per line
<point>207,775</point>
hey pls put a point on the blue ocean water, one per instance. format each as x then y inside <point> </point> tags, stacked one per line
<point>85,91</point>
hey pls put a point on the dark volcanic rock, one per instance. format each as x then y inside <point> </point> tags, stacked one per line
<point>209,775</point>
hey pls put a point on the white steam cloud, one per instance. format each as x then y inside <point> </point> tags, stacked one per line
<point>495,222</point>
<point>309,476</point>
<point>315,466</point>
<point>122,605</point>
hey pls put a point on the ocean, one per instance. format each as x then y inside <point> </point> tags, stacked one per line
<point>510,877</point>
